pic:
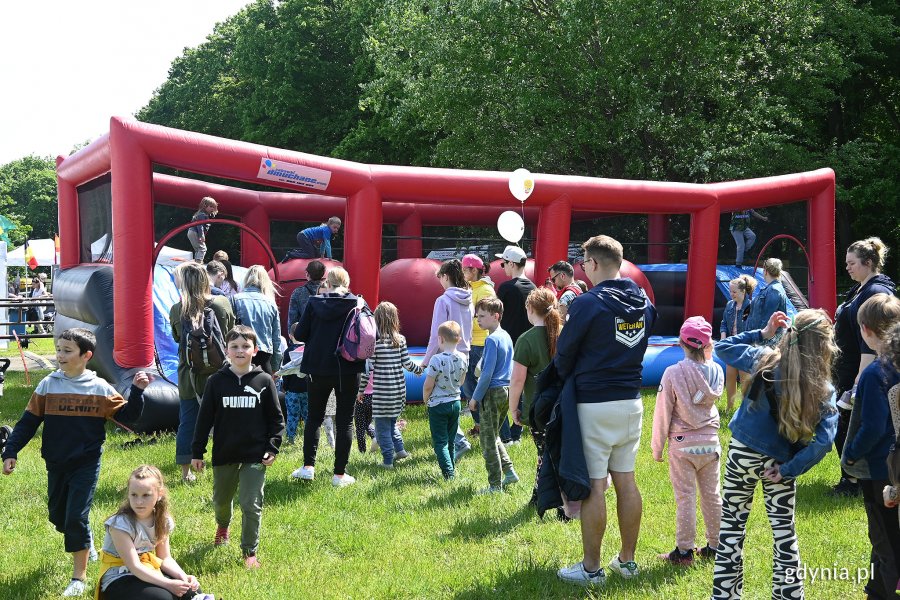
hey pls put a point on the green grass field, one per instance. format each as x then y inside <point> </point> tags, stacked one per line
<point>407,533</point>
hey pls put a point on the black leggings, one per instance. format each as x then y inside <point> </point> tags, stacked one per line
<point>132,588</point>
<point>319,388</point>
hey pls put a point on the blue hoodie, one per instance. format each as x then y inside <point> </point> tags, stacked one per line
<point>870,433</point>
<point>602,344</point>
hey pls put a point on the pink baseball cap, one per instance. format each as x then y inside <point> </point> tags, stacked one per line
<point>696,332</point>
<point>472,260</point>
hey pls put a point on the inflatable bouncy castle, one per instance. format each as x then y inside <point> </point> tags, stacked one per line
<point>107,191</point>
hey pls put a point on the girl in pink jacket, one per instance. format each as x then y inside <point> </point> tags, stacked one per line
<point>687,417</point>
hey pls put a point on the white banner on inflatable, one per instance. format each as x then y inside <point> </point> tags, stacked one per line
<point>285,172</point>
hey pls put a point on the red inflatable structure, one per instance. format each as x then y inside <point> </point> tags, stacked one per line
<point>367,196</point>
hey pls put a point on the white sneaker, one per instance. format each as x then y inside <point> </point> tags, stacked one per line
<point>75,588</point>
<point>305,473</point>
<point>626,569</point>
<point>92,554</point>
<point>342,480</point>
<point>577,575</point>
<point>401,455</point>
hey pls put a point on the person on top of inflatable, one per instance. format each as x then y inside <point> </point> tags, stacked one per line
<point>743,236</point>
<point>314,242</point>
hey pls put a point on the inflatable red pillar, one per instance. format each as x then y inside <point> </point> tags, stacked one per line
<point>658,236</point>
<point>362,252</point>
<point>554,224</point>
<point>132,228</point>
<point>410,227</point>
<point>822,270</point>
<point>70,234</point>
<point>252,253</point>
<point>701,272</point>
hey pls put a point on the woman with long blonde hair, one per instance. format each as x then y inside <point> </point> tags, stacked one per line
<point>784,427</point>
<point>255,307</point>
<point>193,286</point>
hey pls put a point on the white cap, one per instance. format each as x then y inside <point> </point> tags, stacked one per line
<point>512,254</point>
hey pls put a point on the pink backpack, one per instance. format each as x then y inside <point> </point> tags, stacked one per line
<point>357,341</point>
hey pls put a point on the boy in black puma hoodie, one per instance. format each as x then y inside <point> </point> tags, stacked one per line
<point>241,402</point>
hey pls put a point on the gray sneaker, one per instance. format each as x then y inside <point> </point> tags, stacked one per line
<point>461,450</point>
<point>491,489</point>
<point>510,477</point>
<point>577,575</point>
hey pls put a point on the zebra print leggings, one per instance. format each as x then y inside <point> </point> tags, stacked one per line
<point>743,469</point>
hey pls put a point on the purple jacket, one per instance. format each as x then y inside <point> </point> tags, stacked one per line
<point>455,304</point>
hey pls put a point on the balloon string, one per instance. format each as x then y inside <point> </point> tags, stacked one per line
<point>522,206</point>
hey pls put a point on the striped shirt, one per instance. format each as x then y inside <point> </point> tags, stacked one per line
<point>388,382</point>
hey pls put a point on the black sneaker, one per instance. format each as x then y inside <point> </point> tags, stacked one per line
<point>677,557</point>
<point>846,488</point>
<point>707,552</point>
<point>5,432</point>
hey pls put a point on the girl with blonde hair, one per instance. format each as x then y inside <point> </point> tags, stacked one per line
<point>136,561</point>
<point>784,427</point>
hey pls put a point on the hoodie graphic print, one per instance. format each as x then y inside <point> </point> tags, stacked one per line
<point>685,412</point>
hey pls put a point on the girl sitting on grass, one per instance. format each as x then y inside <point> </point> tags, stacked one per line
<point>135,563</point>
<point>785,426</point>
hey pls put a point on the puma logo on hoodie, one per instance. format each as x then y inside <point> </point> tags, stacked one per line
<point>243,401</point>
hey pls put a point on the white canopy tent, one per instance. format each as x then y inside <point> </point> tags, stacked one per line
<point>44,251</point>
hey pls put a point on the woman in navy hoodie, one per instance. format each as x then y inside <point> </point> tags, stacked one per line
<point>864,261</point>
<point>320,327</point>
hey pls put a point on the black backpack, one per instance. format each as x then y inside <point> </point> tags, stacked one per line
<point>204,345</point>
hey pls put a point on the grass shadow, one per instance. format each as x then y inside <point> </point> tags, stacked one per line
<point>815,498</point>
<point>450,498</point>
<point>27,584</point>
<point>484,525</point>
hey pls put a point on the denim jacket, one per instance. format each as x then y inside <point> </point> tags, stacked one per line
<point>753,424</point>
<point>728,317</point>
<point>258,313</point>
<point>771,298</point>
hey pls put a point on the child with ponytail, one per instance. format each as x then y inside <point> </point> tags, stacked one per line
<point>532,353</point>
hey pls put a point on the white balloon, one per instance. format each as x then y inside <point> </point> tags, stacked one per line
<point>521,184</point>
<point>511,226</point>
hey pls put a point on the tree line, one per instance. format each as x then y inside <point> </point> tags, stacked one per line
<point>695,91</point>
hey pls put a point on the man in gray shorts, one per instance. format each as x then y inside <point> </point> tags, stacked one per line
<point>602,347</point>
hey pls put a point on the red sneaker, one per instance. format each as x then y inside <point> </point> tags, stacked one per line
<point>221,536</point>
<point>251,562</point>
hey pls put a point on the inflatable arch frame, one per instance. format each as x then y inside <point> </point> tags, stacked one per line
<point>371,195</point>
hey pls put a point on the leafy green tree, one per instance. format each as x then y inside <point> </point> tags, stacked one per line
<point>28,197</point>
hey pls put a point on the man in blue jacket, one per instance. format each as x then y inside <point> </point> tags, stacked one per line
<point>602,347</point>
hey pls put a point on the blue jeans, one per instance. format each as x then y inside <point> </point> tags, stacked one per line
<point>187,422</point>
<point>69,497</point>
<point>389,438</point>
<point>744,241</point>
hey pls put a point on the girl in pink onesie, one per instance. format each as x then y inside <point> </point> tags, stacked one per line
<point>686,415</point>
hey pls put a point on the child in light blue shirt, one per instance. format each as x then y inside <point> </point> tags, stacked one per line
<point>441,392</point>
